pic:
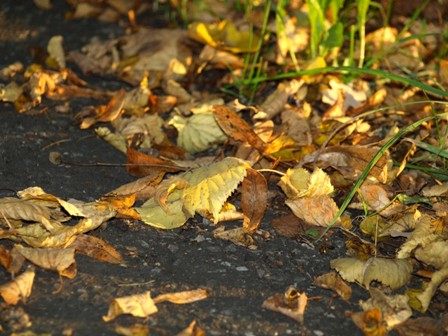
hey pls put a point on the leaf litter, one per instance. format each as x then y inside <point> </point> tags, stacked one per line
<point>197,151</point>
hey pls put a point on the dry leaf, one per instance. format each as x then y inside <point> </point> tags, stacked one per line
<point>141,164</point>
<point>56,259</point>
<point>298,182</point>
<point>18,289</point>
<point>419,326</point>
<point>236,128</point>
<point>254,197</point>
<point>394,309</point>
<point>139,305</point>
<point>291,303</point>
<point>275,102</point>
<point>351,161</point>
<point>238,236</point>
<point>390,272</point>
<point>56,51</point>
<point>370,322</point>
<point>333,281</point>
<point>192,330</point>
<point>97,249</point>
<point>183,297</point>
<point>317,210</point>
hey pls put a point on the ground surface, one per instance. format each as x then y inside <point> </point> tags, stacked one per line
<point>238,279</point>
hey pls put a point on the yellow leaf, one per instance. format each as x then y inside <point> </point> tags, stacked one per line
<point>183,297</point>
<point>223,35</point>
<point>19,288</point>
<point>140,305</point>
<point>317,63</point>
<point>299,182</point>
<point>210,186</point>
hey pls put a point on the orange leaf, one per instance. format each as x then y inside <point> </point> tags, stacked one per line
<point>254,196</point>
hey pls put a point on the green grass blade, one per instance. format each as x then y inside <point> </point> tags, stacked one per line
<point>372,163</point>
<point>356,71</point>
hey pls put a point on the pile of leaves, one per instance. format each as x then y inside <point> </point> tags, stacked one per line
<point>367,133</point>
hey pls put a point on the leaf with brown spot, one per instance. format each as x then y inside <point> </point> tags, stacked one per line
<point>254,197</point>
<point>236,128</point>
<point>19,288</point>
<point>96,248</point>
<point>141,164</point>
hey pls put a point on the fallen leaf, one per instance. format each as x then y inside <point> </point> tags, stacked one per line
<point>236,128</point>
<point>292,303</point>
<point>183,297</point>
<point>139,305</point>
<point>18,289</point>
<point>317,210</point>
<point>96,248</point>
<point>224,35</point>
<point>192,330</point>
<point>198,132</point>
<point>254,198</point>
<point>370,322</point>
<point>390,272</point>
<point>333,281</point>
<point>394,309</point>
<point>56,259</point>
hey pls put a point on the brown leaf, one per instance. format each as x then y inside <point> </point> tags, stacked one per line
<point>141,164</point>
<point>236,128</point>
<point>370,322</point>
<point>96,248</point>
<point>291,303</point>
<point>254,197</point>
<point>57,259</point>
<point>333,281</point>
<point>139,305</point>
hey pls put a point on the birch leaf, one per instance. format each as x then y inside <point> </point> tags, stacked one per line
<point>210,186</point>
<point>198,132</point>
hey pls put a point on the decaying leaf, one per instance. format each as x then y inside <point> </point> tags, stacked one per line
<point>292,303</point>
<point>56,259</point>
<point>183,297</point>
<point>238,236</point>
<point>370,322</point>
<point>317,210</point>
<point>18,289</point>
<point>394,309</point>
<point>390,272</point>
<point>333,281</point>
<point>350,161</point>
<point>254,197</point>
<point>192,330</point>
<point>96,248</point>
<point>236,128</point>
<point>139,305</point>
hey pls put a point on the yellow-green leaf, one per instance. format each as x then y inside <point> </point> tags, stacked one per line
<point>198,133</point>
<point>210,186</point>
